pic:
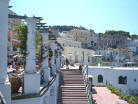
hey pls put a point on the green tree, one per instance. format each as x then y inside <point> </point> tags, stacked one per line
<point>22,37</point>
<point>39,47</point>
<point>134,36</point>
<point>120,32</point>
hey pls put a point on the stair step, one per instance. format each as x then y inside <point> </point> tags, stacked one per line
<point>73,102</point>
<point>72,89</point>
<point>74,84</point>
<point>64,90</point>
<point>73,95</point>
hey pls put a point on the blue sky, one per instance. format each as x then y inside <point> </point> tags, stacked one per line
<point>99,15</point>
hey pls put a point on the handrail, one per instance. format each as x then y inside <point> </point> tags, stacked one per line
<point>47,87</point>
<point>86,80</point>
<point>2,100</point>
<point>49,84</point>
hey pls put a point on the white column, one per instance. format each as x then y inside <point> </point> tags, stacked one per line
<point>52,96</point>
<point>59,62</point>
<point>31,45</point>
<point>4,83</point>
<point>45,66</point>
<point>31,76</point>
<point>53,47</point>
<point>3,39</point>
<point>47,97</point>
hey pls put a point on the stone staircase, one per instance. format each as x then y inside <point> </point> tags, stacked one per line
<point>72,88</point>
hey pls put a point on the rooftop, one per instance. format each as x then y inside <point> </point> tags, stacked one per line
<point>114,68</point>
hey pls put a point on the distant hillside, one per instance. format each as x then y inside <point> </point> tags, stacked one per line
<point>66,28</point>
<point>123,33</point>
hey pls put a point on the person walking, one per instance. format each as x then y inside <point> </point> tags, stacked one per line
<point>67,63</point>
<point>80,68</point>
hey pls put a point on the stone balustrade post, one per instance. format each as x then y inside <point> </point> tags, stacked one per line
<point>5,87</point>
<point>31,76</point>
<point>53,47</point>
<point>45,66</point>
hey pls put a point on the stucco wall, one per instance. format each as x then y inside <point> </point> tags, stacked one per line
<point>72,52</point>
<point>27,101</point>
<point>112,75</point>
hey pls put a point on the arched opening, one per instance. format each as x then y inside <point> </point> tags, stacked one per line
<point>88,54</point>
<point>122,80</point>
<point>100,79</point>
<point>76,59</point>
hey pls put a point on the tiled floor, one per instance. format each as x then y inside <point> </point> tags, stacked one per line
<point>102,95</point>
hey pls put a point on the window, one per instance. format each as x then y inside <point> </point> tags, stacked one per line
<point>135,80</point>
<point>70,58</point>
<point>92,43</point>
<point>122,80</point>
<point>100,79</point>
<point>83,56</point>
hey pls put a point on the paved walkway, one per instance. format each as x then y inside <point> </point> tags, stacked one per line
<point>103,95</point>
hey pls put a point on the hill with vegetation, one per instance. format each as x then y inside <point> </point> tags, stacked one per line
<point>120,32</point>
<point>61,28</point>
<point>66,28</point>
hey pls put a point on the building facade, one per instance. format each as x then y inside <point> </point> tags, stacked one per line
<point>81,36</point>
<point>120,77</point>
<point>69,42</point>
<point>78,55</point>
<point>112,41</point>
<point>13,42</point>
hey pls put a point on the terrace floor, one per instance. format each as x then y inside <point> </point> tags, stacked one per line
<point>103,95</point>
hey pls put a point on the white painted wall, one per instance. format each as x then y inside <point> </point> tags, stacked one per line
<point>111,75</point>
<point>27,101</point>
<point>72,52</point>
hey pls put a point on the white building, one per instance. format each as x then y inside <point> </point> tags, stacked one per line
<point>124,78</point>
<point>79,55</point>
<point>94,39</point>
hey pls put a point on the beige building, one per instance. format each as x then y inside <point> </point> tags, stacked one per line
<point>78,55</point>
<point>81,36</point>
<point>66,42</point>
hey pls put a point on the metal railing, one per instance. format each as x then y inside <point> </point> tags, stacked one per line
<point>87,84</point>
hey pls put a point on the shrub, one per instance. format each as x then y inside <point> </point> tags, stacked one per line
<point>129,98</point>
<point>126,97</point>
<point>133,100</point>
<point>100,86</point>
